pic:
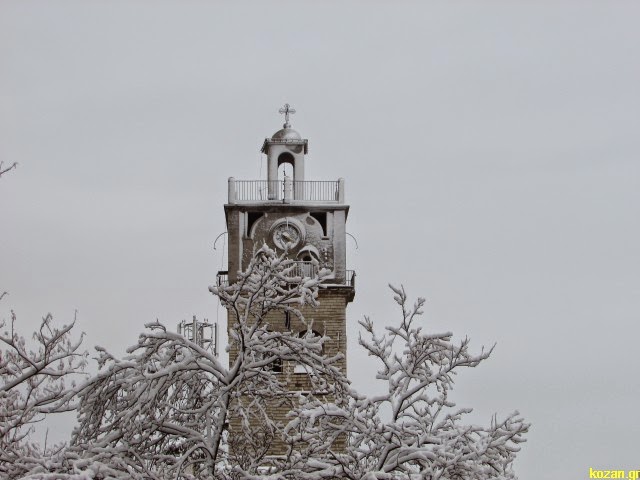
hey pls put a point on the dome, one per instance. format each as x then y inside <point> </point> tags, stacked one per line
<point>286,133</point>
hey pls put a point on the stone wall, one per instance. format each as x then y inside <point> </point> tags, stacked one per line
<point>328,319</point>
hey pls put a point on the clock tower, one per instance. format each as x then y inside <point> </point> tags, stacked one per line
<point>307,219</point>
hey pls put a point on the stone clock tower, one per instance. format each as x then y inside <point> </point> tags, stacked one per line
<point>308,216</point>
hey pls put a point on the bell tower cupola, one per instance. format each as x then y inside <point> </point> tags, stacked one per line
<point>286,146</point>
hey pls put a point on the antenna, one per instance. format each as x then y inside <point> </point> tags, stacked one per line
<point>202,333</point>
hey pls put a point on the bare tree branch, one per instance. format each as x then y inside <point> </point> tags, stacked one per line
<point>5,170</point>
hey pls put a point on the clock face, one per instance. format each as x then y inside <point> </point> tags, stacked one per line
<point>286,235</point>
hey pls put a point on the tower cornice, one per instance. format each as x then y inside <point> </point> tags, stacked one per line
<point>285,141</point>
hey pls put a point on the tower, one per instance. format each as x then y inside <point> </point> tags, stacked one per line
<point>308,218</point>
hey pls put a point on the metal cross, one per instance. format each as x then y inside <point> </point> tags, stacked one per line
<point>287,110</point>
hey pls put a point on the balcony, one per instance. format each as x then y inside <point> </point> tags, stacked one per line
<point>300,270</point>
<point>222,279</point>
<point>286,191</point>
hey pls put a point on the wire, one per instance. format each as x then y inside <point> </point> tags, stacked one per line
<point>216,241</point>
<point>354,239</point>
<point>224,245</point>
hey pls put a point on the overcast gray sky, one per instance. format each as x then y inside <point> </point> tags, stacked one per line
<point>490,151</point>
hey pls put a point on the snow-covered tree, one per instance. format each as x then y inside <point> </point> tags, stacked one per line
<point>413,430</point>
<point>170,409</point>
<point>35,380</point>
<point>163,411</point>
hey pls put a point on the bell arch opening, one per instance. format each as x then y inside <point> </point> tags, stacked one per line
<point>286,157</point>
<point>286,166</point>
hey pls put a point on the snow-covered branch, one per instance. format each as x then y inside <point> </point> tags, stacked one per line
<point>33,382</point>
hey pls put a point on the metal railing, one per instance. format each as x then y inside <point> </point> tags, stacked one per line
<point>350,278</point>
<point>222,278</point>
<point>304,269</point>
<point>315,190</point>
<point>331,191</point>
<point>300,269</point>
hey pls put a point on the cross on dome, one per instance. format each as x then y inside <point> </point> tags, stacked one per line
<point>286,110</point>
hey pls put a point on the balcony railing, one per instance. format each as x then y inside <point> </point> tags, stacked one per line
<point>300,269</point>
<point>316,191</point>
<point>350,280</point>
<point>222,279</point>
<point>304,269</point>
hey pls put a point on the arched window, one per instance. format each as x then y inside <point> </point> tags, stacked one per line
<point>308,254</point>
